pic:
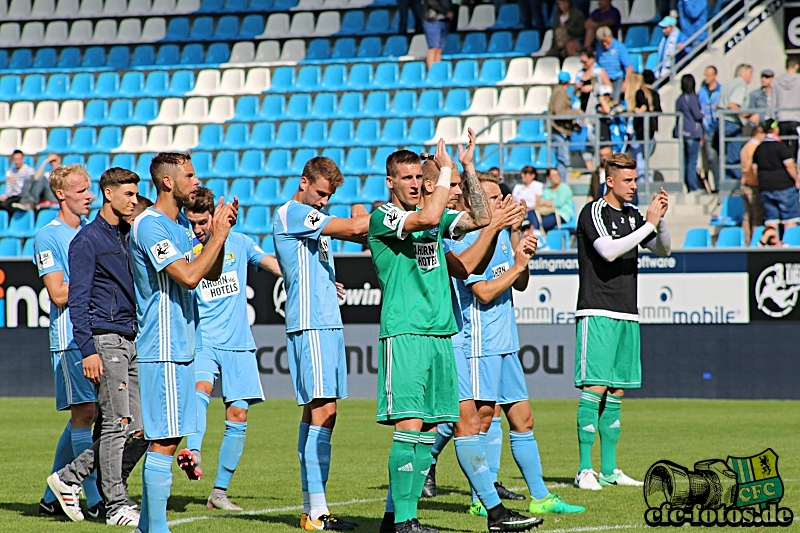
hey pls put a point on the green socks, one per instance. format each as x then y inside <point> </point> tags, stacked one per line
<point>609,426</point>
<point>588,414</point>
<point>422,463</point>
<point>403,474</point>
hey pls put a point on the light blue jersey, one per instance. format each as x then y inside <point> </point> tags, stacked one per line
<point>489,329</point>
<point>458,338</point>
<point>167,313</point>
<point>223,303</point>
<point>51,253</point>
<point>307,266</point>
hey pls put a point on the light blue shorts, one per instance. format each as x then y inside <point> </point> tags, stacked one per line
<point>169,407</point>
<point>72,387</point>
<point>498,378</point>
<point>239,370</point>
<point>317,364</point>
<point>464,374</point>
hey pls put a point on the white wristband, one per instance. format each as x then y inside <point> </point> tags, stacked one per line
<point>444,177</point>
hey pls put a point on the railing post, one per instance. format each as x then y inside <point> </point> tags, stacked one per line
<point>721,159</point>
<point>500,156</point>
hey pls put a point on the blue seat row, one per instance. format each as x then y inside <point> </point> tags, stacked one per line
<point>204,29</point>
<point>369,48</point>
<point>500,43</point>
<point>639,39</point>
<point>378,22</point>
<point>22,224</point>
<point>245,6</point>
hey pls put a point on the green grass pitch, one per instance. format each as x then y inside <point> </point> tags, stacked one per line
<point>267,482</point>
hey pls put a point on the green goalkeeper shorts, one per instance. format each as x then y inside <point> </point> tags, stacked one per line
<point>417,379</point>
<point>608,352</point>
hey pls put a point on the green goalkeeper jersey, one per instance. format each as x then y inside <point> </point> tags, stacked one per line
<point>413,273</point>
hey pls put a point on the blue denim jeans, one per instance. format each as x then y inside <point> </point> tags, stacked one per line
<point>560,143</point>
<point>691,151</point>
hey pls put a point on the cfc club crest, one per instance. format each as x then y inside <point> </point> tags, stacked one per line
<point>759,482</point>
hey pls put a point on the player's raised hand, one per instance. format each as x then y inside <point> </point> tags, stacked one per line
<point>502,215</point>
<point>234,211</point>
<point>664,198</point>
<point>521,211</point>
<point>224,218</point>
<point>530,244</point>
<point>466,157</point>
<point>522,255</point>
<point>653,214</point>
<point>441,158</point>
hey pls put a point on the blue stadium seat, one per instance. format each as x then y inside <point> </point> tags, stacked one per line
<point>288,134</point>
<point>21,58</point>
<point>236,137</point>
<point>299,106</point>
<point>339,209</point>
<point>146,110</point>
<point>225,166</point>
<point>758,232</point>
<point>404,104</point>
<point>252,26</point>
<point>334,78</point>
<point>360,77</point>
<point>227,28</point>
<point>285,5</point>
<point>357,160</point>
<point>558,239</point>
<point>218,53</point>
<point>520,156</point>
<point>119,57</point>
<point>278,162</point>
<point>261,6</point>
<point>95,113</point>
<point>178,29</point>
<point>32,87</point>
<point>210,137</point>
<point>299,161</point>
<point>341,133</point>
<point>129,162</point>
<point>386,76</point>
<point>97,197</point>
<point>252,164</point>
<point>83,140</point>
<point>45,58</point>
<point>374,189</point>
<point>396,46</point>
<point>81,87</point>
<point>3,222</point>
<point>697,238</point>
<point>377,104</point>
<point>528,42</point>
<point>318,49</point>
<point>440,74</point>
<point>246,109</point>
<point>94,57</point>
<point>192,54</point>
<point>367,133</point>
<point>168,54</point>
<point>57,86</point>
<point>3,59</point>
<point>289,187</point>
<point>10,247</point>
<point>143,164</point>
<point>273,107</point>
<point>266,192</point>
<point>452,44</point>
<point>530,131</point>
<point>378,165</point>
<point>377,22</point>
<point>731,213</point>
<point>282,80</point>
<point>201,161</point>
<point>352,22</point>
<point>791,236</point>
<point>132,84</point>
<point>492,72</point>
<point>157,83</point>
<point>394,132</point>
<point>456,102</point>
<point>211,6</point>
<point>263,135</point>
<point>348,191</point>
<point>637,37</point>
<point>44,217</point>
<point>507,18</point>
<point>412,74</point>
<point>421,131</point>
<point>27,248</point>
<point>107,85</point>
<point>58,140</point>
<point>181,82</point>
<point>369,48</point>
<point>108,139</point>
<point>70,57</point>
<point>335,154</point>
<point>344,47</point>
<point>308,79</point>
<point>144,54</point>
<point>351,105</point>
<point>730,237</point>
<point>651,62</point>
<point>120,112</point>
<point>257,220</point>
<point>74,159</point>
<point>218,187</point>
<point>430,103</point>
<point>501,42</point>
<point>20,224</point>
<point>638,62</point>
<point>96,164</point>
<point>268,244</point>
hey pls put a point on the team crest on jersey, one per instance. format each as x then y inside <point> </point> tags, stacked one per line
<point>230,259</point>
<point>427,255</point>
<point>433,232</point>
<point>324,248</point>
<point>392,218</point>
<point>313,219</point>
<point>505,248</point>
<point>163,250</point>
<point>632,222</point>
<point>45,260</point>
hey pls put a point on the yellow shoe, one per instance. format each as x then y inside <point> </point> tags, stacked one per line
<point>303,520</point>
<point>326,522</point>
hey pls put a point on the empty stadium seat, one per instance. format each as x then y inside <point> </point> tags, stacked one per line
<point>731,213</point>
<point>730,237</point>
<point>257,220</point>
<point>697,238</point>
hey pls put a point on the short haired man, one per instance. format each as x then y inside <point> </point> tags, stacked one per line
<point>605,15</point>
<point>763,99</point>
<point>787,101</point>
<point>708,96</point>
<point>670,47</point>
<point>17,175</point>
<point>733,97</point>
<point>103,306</point>
<point>70,184</point>
<point>775,171</point>
<point>613,57</point>
<point>165,275</point>
<point>607,353</point>
<point>228,350</point>
<point>314,331</point>
<point>753,209</point>
<point>36,191</point>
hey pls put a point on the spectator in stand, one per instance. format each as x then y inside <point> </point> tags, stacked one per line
<point>669,47</point>
<point>776,174</point>
<point>787,100</point>
<point>613,57</point>
<point>36,192</point>
<point>402,18</point>
<point>708,96</point>
<point>597,185</point>
<point>16,176</point>
<point>590,78</point>
<point>693,15</point>
<point>753,209</point>
<point>605,15</point>
<point>561,104</point>
<point>763,99</point>
<point>646,100</point>
<point>770,238</point>
<point>733,97</point>
<point>688,105</point>
<point>555,206</point>
<point>504,190</point>
<point>568,30</point>
<point>530,190</point>
<point>530,14</point>
<point>436,25</point>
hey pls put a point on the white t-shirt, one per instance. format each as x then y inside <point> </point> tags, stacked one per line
<point>529,193</point>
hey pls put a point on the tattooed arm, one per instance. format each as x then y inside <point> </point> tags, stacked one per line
<point>480,211</point>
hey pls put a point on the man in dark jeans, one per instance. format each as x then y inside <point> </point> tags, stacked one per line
<point>103,308</point>
<point>776,173</point>
<point>402,15</point>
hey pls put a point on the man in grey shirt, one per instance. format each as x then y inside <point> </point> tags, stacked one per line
<point>16,176</point>
<point>733,97</point>
<point>787,100</point>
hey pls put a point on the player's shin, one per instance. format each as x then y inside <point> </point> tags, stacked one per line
<point>494,447</point>
<point>609,427</point>
<point>525,450</point>
<point>195,441</point>
<point>588,409</point>
<point>302,437</point>
<point>402,472</point>
<point>422,463</point>
<point>317,452</point>
<point>157,476</point>
<point>229,453</point>
<point>472,460</point>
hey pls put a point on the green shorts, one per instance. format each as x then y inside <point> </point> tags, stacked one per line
<point>608,352</point>
<point>417,379</point>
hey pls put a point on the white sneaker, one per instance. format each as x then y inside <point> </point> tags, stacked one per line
<point>124,516</point>
<point>620,479</point>
<point>68,496</point>
<point>587,479</point>
<point>221,501</point>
